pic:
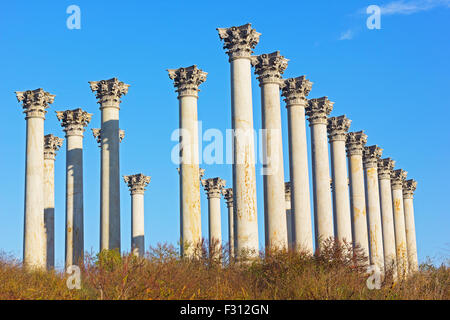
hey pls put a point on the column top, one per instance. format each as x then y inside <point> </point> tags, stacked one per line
<point>371,155</point>
<point>239,41</point>
<point>187,80</point>
<point>51,145</point>
<point>213,187</point>
<point>355,142</point>
<point>409,187</point>
<point>397,178</point>
<point>108,92</point>
<point>96,132</point>
<point>295,91</point>
<point>137,183</point>
<point>228,195</point>
<point>337,128</point>
<point>74,121</point>
<point>287,190</point>
<point>34,102</point>
<point>318,110</point>
<point>269,67</point>
<point>385,167</point>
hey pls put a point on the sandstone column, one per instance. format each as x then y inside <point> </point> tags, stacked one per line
<point>108,93</point>
<point>409,186</point>
<point>398,177</point>
<point>187,80</point>
<point>228,195</point>
<point>214,188</point>
<point>137,184</point>
<point>34,104</point>
<point>385,166</point>
<point>269,68</point>
<point>371,155</point>
<point>51,145</point>
<point>318,111</point>
<point>295,91</point>
<point>337,130</point>
<point>239,42</point>
<point>74,122</point>
<point>355,143</point>
<point>289,215</point>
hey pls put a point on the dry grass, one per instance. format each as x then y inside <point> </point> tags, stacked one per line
<point>335,273</point>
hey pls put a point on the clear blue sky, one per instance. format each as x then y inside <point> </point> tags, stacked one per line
<point>393,83</point>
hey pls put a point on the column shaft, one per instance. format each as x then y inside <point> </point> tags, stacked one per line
<point>137,224</point>
<point>214,222</point>
<point>410,234</point>
<point>400,232</point>
<point>49,211</point>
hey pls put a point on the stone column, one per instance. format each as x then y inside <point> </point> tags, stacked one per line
<point>289,215</point>
<point>295,91</point>
<point>34,104</point>
<point>318,111</point>
<point>97,135</point>
<point>74,122</point>
<point>385,166</point>
<point>214,188</point>
<point>137,184</point>
<point>239,42</point>
<point>355,143</point>
<point>228,195</point>
<point>108,93</point>
<point>337,130</point>
<point>409,186</point>
<point>51,145</point>
<point>269,68</point>
<point>398,177</point>
<point>187,80</point>
<point>371,155</point>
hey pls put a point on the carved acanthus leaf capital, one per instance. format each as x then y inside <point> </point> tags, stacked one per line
<point>187,80</point>
<point>213,187</point>
<point>287,190</point>
<point>398,177</point>
<point>137,183</point>
<point>74,121</point>
<point>318,110</point>
<point>108,92</point>
<point>337,128</point>
<point>228,195</point>
<point>269,67</point>
<point>295,91</point>
<point>385,167</point>
<point>371,155</point>
<point>239,41</point>
<point>409,187</point>
<point>51,145</point>
<point>355,142</point>
<point>35,102</point>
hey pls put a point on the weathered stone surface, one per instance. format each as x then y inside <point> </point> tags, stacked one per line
<point>239,41</point>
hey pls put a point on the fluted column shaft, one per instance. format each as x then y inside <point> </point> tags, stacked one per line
<point>409,187</point>
<point>289,216</point>
<point>214,188</point>
<point>228,195</point>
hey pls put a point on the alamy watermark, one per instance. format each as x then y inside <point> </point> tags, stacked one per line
<point>374,19</point>
<point>374,280</point>
<point>74,279</point>
<point>74,20</point>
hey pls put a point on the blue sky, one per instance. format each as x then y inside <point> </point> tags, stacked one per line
<point>393,83</point>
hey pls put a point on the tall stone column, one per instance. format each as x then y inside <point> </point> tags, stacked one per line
<point>74,122</point>
<point>51,145</point>
<point>137,184</point>
<point>355,143</point>
<point>409,186</point>
<point>228,195</point>
<point>34,104</point>
<point>318,111</point>
<point>96,132</point>
<point>187,80</point>
<point>371,155</point>
<point>385,166</point>
<point>295,91</point>
<point>337,130</point>
<point>289,215</point>
<point>269,68</point>
<point>398,177</point>
<point>214,188</point>
<point>239,42</point>
<point>108,93</point>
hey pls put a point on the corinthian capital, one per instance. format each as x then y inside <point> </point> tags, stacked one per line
<point>137,183</point>
<point>318,110</point>
<point>269,67</point>
<point>213,187</point>
<point>239,41</point>
<point>96,132</point>
<point>337,128</point>
<point>398,177</point>
<point>355,142</point>
<point>409,186</point>
<point>108,92</point>
<point>385,167</point>
<point>295,91</point>
<point>51,145</point>
<point>74,121</point>
<point>371,155</point>
<point>228,195</point>
<point>35,102</point>
<point>187,80</point>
